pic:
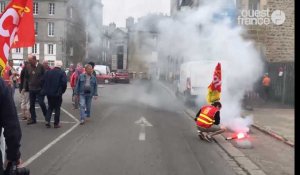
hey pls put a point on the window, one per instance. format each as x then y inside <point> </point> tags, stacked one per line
<point>2,6</point>
<point>50,29</point>
<point>50,49</point>
<point>35,8</point>
<point>18,50</point>
<point>51,8</point>
<point>35,28</point>
<point>51,63</point>
<point>34,49</point>
<point>254,4</point>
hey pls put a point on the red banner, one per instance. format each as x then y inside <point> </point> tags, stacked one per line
<point>214,89</point>
<point>16,28</point>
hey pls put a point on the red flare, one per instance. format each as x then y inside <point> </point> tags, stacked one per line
<point>241,135</point>
<point>237,136</point>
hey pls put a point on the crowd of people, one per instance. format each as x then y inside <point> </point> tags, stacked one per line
<point>37,80</point>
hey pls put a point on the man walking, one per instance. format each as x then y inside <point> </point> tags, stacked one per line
<point>54,86</point>
<point>86,88</point>
<point>24,91</point>
<point>34,76</point>
<point>73,82</point>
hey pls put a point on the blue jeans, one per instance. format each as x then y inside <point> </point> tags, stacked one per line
<point>85,106</point>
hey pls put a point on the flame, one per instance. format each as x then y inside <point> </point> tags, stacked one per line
<point>240,135</point>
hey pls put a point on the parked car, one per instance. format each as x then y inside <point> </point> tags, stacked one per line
<point>122,76</point>
<point>103,78</point>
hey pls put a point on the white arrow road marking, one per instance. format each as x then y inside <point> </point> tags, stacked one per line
<point>143,123</point>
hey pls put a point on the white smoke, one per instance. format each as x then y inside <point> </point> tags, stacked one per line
<point>194,36</point>
<point>91,12</point>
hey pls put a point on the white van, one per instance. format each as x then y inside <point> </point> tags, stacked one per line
<point>194,79</point>
<point>103,69</point>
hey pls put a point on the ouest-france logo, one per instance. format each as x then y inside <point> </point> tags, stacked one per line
<point>261,17</point>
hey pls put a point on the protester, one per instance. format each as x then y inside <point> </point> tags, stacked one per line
<point>35,77</point>
<point>208,120</point>
<point>46,65</point>
<point>93,65</point>
<point>54,86</point>
<point>24,91</point>
<point>86,89</point>
<point>10,76</point>
<point>73,80</point>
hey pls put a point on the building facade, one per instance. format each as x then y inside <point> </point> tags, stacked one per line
<point>115,47</point>
<point>143,49</point>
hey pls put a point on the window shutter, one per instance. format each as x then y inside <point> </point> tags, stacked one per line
<point>54,49</point>
<point>45,49</point>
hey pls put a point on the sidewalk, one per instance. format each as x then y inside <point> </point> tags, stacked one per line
<point>279,123</point>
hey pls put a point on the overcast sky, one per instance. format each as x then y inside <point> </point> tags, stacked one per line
<point>118,10</point>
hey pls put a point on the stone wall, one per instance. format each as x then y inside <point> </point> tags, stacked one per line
<point>280,39</point>
<point>276,42</point>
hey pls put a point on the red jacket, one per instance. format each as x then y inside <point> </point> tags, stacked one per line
<point>73,79</point>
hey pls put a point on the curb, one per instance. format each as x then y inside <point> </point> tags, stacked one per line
<point>273,134</point>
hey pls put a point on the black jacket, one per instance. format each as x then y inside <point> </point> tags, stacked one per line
<point>23,83</point>
<point>10,122</point>
<point>55,82</point>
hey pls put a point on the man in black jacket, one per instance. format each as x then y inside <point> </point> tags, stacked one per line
<point>9,121</point>
<point>55,85</point>
<point>24,91</point>
<point>34,76</point>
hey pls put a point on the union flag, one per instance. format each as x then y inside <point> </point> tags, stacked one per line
<point>16,28</point>
<point>214,89</point>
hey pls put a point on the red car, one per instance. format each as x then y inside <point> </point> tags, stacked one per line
<point>103,78</point>
<point>122,76</point>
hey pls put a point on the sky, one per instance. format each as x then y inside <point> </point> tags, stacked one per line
<point>118,10</point>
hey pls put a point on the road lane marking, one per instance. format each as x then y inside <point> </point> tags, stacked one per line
<point>41,121</point>
<point>43,150</point>
<point>143,123</point>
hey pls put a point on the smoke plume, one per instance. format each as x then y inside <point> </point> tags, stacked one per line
<point>195,35</point>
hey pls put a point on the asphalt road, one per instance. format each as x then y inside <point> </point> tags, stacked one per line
<point>136,128</point>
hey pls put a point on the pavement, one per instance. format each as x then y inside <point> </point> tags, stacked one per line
<point>268,156</point>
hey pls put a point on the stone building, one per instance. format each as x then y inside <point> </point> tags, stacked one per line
<point>115,47</point>
<point>143,52</point>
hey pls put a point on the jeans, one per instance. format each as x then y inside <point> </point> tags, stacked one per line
<point>54,103</point>
<point>33,95</point>
<point>85,106</point>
